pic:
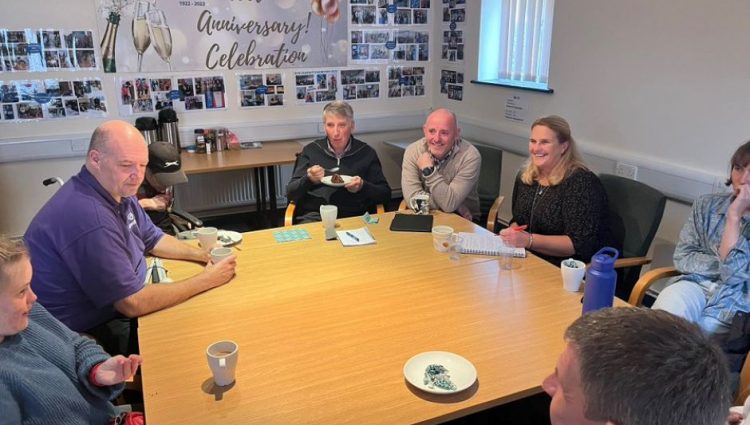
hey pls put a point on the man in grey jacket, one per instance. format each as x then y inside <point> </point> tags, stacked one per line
<point>444,166</point>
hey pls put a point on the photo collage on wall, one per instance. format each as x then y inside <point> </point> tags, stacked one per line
<point>453,46</point>
<point>452,50</point>
<point>51,99</point>
<point>264,89</point>
<point>452,84</point>
<point>316,86</point>
<point>406,81</point>
<point>412,12</point>
<point>146,95</point>
<point>373,46</point>
<point>360,84</point>
<point>46,50</point>
<point>369,12</point>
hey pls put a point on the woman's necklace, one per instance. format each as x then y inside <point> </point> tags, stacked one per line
<point>539,191</point>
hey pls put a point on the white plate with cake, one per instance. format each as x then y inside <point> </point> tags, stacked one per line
<point>336,180</point>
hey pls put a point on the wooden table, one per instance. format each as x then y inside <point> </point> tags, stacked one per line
<point>324,331</point>
<point>262,160</point>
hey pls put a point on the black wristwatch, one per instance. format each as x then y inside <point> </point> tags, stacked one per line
<point>427,171</point>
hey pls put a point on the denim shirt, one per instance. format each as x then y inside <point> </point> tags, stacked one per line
<point>697,258</point>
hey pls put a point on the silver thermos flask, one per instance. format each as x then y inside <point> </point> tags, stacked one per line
<point>147,127</point>
<point>168,127</point>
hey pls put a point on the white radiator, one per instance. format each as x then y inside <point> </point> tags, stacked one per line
<point>227,190</point>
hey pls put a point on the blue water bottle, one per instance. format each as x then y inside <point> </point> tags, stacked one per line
<point>601,279</point>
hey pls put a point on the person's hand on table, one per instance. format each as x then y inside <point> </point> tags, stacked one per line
<point>117,369</point>
<point>355,185</point>
<point>221,272</point>
<point>316,173</point>
<point>515,236</point>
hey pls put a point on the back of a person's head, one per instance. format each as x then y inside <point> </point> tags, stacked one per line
<point>648,367</point>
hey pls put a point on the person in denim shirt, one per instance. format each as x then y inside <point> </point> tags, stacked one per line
<point>713,255</point>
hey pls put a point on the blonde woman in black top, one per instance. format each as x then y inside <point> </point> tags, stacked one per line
<point>560,208</point>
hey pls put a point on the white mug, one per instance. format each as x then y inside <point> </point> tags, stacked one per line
<point>207,237</point>
<point>441,238</point>
<point>217,254</point>
<point>222,359</point>
<point>572,274</point>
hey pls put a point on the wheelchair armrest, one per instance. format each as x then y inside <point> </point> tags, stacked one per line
<point>193,220</point>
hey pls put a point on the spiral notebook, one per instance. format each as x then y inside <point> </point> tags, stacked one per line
<point>474,243</point>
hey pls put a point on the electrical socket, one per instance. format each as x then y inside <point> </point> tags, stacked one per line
<point>628,171</point>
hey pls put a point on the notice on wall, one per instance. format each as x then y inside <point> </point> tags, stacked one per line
<point>516,108</point>
<point>149,36</point>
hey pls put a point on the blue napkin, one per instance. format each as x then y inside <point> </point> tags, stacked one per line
<point>291,235</point>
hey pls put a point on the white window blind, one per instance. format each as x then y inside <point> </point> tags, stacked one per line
<point>515,41</point>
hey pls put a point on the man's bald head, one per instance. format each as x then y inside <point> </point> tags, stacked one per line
<point>117,158</point>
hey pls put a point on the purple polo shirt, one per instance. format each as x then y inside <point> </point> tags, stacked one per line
<point>87,251</point>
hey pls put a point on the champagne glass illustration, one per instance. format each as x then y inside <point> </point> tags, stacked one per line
<point>141,36</point>
<point>162,36</point>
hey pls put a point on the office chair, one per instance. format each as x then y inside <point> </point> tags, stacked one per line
<point>637,296</point>
<point>636,210</point>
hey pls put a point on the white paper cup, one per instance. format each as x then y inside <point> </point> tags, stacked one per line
<point>572,274</point>
<point>440,238</point>
<point>217,254</point>
<point>207,237</point>
<point>222,359</point>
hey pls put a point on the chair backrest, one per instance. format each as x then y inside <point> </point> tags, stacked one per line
<point>489,176</point>
<point>636,210</point>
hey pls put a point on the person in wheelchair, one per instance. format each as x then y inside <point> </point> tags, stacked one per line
<point>156,194</point>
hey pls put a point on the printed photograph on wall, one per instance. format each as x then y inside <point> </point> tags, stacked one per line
<point>453,46</point>
<point>316,86</point>
<point>25,100</point>
<point>141,95</point>
<point>46,50</point>
<point>412,12</point>
<point>411,46</point>
<point>162,36</point>
<point>452,84</point>
<point>454,11</point>
<point>360,84</point>
<point>261,89</point>
<point>406,81</point>
<point>370,46</point>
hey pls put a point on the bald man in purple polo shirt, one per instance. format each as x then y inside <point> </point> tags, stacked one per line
<point>88,242</point>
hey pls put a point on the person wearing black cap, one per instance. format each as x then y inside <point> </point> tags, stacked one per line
<point>163,171</point>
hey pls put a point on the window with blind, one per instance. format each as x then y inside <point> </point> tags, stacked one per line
<point>514,43</point>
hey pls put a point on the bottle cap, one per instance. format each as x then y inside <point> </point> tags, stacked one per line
<point>605,258</point>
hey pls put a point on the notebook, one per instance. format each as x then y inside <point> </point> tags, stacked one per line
<point>474,243</point>
<point>411,223</point>
<point>355,237</point>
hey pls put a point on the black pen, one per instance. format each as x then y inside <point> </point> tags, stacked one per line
<point>352,236</point>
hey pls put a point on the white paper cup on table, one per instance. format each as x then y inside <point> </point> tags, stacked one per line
<point>572,274</point>
<point>207,237</point>
<point>222,359</point>
<point>328,215</point>
<point>440,238</point>
<point>218,254</point>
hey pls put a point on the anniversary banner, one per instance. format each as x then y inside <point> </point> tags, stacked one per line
<point>193,35</point>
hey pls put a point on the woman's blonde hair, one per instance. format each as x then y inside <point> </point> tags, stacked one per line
<point>11,251</point>
<point>569,161</point>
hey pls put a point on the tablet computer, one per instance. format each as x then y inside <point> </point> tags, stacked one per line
<point>411,223</point>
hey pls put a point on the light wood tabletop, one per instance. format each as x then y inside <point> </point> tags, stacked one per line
<point>271,153</point>
<point>325,330</point>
